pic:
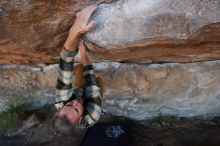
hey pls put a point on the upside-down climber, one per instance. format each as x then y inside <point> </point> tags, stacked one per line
<point>78,105</point>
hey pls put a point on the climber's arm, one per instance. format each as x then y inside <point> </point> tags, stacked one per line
<point>92,96</point>
<point>65,78</point>
<point>65,69</point>
<point>92,91</point>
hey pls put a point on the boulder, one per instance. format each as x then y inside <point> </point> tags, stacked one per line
<point>127,30</point>
<point>34,31</point>
<point>154,56</point>
<point>137,91</point>
<point>157,31</point>
<point>141,91</point>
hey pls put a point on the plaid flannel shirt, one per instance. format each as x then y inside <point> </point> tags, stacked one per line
<point>65,90</point>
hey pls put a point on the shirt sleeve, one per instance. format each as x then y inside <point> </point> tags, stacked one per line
<point>93,106</point>
<point>64,85</point>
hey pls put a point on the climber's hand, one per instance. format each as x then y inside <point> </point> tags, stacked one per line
<point>81,25</point>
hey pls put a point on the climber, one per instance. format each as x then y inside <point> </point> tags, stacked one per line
<point>82,105</point>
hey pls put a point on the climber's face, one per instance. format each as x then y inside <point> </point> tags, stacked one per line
<point>73,111</point>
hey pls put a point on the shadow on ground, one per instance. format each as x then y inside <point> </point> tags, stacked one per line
<point>37,129</point>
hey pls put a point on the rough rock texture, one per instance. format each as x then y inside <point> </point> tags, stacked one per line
<point>138,91</point>
<point>34,31</point>
<point>145,91</point>
<point>158,30</point>
<point>24,84</point>
<point>143,31</point>
<point>127,30</point>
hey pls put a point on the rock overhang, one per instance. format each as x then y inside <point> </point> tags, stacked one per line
<point>127,30</point>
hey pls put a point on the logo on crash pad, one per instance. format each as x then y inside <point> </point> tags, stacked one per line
<point>114,131</point>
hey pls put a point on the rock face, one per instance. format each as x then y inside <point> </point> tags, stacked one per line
<point>34,31</point>
<point>146,91</point>
<point>158,30</point>
<point>26,84</point>
<point>170,51</point>
<point>131,21</point>
<point>127,30</point>
<point>138,91</point>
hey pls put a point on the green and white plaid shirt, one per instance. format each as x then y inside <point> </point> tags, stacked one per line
<point>65,91</point>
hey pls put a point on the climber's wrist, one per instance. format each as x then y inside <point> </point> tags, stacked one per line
<point>86,63</point>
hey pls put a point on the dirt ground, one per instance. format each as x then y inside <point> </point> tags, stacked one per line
<point>161,131</point>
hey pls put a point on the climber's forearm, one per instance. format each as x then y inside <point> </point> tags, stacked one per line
<point>72,41</point>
